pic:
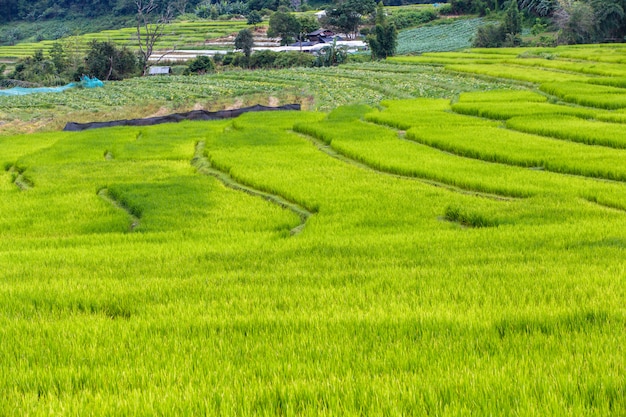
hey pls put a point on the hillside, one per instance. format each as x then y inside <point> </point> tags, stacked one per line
<point>446,238</point>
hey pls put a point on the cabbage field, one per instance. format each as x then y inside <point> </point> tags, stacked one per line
<point>421,239</point>
<point>442,36</point>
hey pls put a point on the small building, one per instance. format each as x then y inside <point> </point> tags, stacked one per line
<point>160,71</point>
<point>320,35</point>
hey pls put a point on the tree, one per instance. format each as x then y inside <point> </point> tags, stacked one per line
<point>512,19</point>
<point>254,18</point>
<point>245,42</point>
<point>308,23</point>
<point>539,8</point>
<point>489,36</point>
<point>58,56</point>
<point>180,6</point>
<point>383,39</point>
<point>200,65</point>
<point>577,23</point>
<point>347,15</point>
<point>149,29</point>
<point>285,26</point>
<point>36,69</point>
<point>106,61</point>
<point>331,55</point>
<point>610,18</point>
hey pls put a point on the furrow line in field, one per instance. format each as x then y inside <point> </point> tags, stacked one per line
<point>605,204</point>
<point>204,167</point>
<point>330,151</point>
<point>106,196</point>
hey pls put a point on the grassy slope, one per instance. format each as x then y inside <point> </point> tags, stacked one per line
<point>399,296</point>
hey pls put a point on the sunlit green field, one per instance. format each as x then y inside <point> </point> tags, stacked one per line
<point>410,256</point>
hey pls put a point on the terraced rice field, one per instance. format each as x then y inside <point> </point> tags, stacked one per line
<point>400,254</point>
<point>177,35</point>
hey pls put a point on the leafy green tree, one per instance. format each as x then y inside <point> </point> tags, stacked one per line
<point>489,36</point>
<point>308,23</point>
<point>254,18</point>
<point>610,19</point>
<point>331,55</point>
<point>106,61</point>
<point>58,56</point>
<point>11,36</point>
<point>346,16</point>
<point>383,39</point>
<point>285,26</point>
<point>36,69</point>
<point>245,42</point>
<point>200,65</point>
<point>539,8</point>
<point>512,19</point>
<point>577,23</point>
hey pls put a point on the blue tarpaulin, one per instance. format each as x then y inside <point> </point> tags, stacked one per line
<point>85,82</point>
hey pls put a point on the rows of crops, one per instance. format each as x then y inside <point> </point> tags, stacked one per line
<point>319,88</point>
<point>461,253</point>
<point>176,35</point>
<point>440,37</point>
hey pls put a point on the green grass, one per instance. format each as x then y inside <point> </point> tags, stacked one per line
<point>584,94</point>
<point>315,88</point>
<point>436,274</point>
<point>572,128</point>
<point>496,110</point>
<point>519,73</point>
<point>379,305</point>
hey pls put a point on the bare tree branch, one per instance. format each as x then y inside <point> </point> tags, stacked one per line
<point>148,32</point>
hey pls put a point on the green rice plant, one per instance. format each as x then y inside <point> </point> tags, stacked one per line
<point>610,81</point>
<point>522,149</point>
<point>387,151</point>
<point>509,52</point>
<point>610,53</point>
<point>435,60</point>
<point>204,303</point>
<point>571,128</point>
<point>378,306</point>
<point>500,96</point>
<point>585,94</point>
<point>519,73</point>
<point>601,69</point>
<point>459,215</point>
<point>404,114</point>
<point>498,111</point>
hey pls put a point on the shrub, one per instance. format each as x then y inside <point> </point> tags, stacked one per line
<point>294,59</point>
<point>404,19</point>
<point>263,59</point>
<point>489,36</point>
<point>200,65</point>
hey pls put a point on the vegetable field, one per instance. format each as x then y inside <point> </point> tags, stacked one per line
<point>440,37</point>
<point>419,241</point>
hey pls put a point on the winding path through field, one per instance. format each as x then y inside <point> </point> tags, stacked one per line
<point>204,167</point>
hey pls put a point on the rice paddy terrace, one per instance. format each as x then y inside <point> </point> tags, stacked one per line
<point>443,251</point>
